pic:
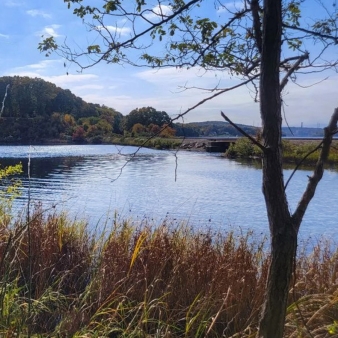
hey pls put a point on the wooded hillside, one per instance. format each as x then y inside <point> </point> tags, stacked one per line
<point>37,110</point>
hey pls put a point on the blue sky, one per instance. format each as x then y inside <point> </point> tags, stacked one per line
<point>124,88</point>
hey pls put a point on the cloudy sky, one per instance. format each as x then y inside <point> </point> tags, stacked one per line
<point>24,22</point>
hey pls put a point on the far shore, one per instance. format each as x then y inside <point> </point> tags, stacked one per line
<point>299,146</point>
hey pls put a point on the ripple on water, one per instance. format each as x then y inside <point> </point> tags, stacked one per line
<point>203,189</point>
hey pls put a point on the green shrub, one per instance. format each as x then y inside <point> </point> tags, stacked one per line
<point>306,152</point>
<point>243,147</point>
<point>10,189</point>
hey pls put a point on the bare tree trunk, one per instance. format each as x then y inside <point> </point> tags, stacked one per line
<point>282,232</point>
<point>283,252</point>
<point>283,226</point>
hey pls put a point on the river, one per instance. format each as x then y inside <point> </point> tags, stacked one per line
<point>102,182</point>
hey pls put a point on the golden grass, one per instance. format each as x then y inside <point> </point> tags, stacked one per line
<point>163,281</point>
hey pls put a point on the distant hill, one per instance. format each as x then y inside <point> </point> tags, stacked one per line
<point>36,110</point>
<point>211,128</point>
<point>302,132</point>
<point>222,128</point>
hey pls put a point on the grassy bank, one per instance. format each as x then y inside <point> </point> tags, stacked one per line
<point>155,143</point>
<point>59,280</point>
<point>293,151</point>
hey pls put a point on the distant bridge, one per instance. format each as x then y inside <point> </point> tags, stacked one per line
<point>219,145</point>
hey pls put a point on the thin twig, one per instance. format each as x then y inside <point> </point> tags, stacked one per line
<point>301,161</point>
<point>285,119</point>
<point>3,101</point>
<point>317,175</point>
<point>313,33</point>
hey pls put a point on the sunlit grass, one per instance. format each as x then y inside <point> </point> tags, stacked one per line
<point>293,151</point>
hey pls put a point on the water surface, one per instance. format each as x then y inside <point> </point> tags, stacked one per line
<point>100,182</point>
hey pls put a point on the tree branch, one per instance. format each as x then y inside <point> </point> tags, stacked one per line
<point>222,91</point>
<point>215,36</point>
<point>301,161</point>
<point>313,33</point>
<point>3,101</point>
<point>257,26</point>
<point>253,140</point>
<point>317,175</point>
<point>116,46</point>
<point>293,69</point>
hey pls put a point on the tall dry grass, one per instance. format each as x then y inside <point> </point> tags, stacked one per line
<point>150,281</point>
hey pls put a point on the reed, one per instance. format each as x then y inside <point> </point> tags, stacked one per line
<point>151,281</point>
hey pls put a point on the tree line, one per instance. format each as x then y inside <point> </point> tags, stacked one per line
<point>36,111</point>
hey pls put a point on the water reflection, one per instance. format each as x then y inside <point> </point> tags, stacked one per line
<point>200,188</point>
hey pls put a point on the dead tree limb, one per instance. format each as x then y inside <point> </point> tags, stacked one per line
<point>317,175</point>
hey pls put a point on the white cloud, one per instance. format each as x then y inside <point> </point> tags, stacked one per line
<point>24,73</point>
<point>50,31</point>
<point>122,103</point>
<point>45,69</point>
<point>118,30</point>
<point>159,11</point>
<point>68,81</point>
<point>5,36</point>
<point>182,77</point>
<point>311,106</point>
<point>64,81</point>
<point>43,64</point>
<point>36,12</point>
<point>169,73</point>
<point>38,67</point>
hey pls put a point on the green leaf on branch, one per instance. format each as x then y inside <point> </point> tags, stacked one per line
<point>294,44</point>
<point>48,45</point>
<point>140,3</point>
<point>111,6</point>
<point>293,12</point>
<point>83,11</point>
<point>94,49</point>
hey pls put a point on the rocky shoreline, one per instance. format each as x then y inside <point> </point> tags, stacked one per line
<point>194,144</point>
